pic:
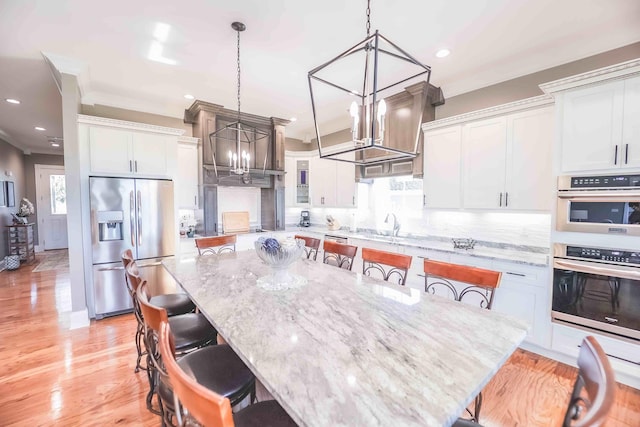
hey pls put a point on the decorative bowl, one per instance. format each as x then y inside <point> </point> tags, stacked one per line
<point>279,255</point>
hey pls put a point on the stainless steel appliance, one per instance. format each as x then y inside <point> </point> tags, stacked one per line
<point>136,214</point>
<point>305,219</point>
<point>599,204</point>
<point>597,288</point>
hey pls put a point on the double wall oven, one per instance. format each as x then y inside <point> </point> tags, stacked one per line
<point>594,286</point>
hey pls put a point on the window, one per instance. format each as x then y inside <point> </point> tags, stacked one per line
<point>58,195</point>
<point>401,195</point>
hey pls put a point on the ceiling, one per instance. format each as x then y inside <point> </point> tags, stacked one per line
<point>490,41</point>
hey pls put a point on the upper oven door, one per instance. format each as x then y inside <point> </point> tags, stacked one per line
<point>599,211</point>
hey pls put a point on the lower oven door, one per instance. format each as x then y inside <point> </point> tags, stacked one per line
<point>596,295</point>
<point>609,212</point>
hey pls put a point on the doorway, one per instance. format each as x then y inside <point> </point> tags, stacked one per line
<point>51,202</point>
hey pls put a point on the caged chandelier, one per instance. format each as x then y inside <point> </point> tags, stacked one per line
<point>241,135</point>
<point>348,92</point>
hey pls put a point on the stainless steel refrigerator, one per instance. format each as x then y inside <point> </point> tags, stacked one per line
<point>127,213</point>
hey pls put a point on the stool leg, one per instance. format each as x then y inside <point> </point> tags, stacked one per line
<point>478,406</point>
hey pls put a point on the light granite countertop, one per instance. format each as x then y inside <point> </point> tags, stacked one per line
<point>522,254</point>
<point>345,349</point>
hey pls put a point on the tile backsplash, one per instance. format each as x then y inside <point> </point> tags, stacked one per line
<point>531,229</point>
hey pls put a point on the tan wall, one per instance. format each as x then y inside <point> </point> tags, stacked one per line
<point>136,116</point>
<point>293,144</point>
<point>11,160</point>
<point>527,86</point>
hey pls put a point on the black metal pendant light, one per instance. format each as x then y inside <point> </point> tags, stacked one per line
<point>242,134</point>
<point>348,92</point>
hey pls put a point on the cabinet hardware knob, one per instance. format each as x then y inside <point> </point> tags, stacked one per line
<point>626,154</point>
<point>500,203</point>
<point>516,274</point>
<point>506,199</point>
<point>615,155</point>
<point>130,166</point>
<point>136,165</point>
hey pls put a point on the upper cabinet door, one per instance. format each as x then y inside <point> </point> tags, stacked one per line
<point>529,182</point>
<point>442,173</point>
<point>110,151</point>
<point>187,177</point>
<point>592,128</point>
<point>345,181</point>
<point>484,159</point>
<point>631,124</point>
<point>150,154</point>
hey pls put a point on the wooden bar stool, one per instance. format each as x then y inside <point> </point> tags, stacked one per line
<point>339,254</point>
<point>374,260</point>
<point>311,246</point>
<point>204,404</point>
<point>216,244</point>
<point>214,366</point>
<point>473,284</point>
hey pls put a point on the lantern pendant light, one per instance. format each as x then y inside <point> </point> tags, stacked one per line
<point>348,92</point>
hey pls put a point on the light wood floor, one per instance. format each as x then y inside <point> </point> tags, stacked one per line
<point>53,376</point>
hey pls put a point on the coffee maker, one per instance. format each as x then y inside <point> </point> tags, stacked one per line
<point>305,219</point>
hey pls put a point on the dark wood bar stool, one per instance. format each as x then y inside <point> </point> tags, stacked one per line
<point>311,246</point>
<point>204,404</point>
<point>339,254</point>
<point>474,284</point>
<point>174,303</point>
<point>216,244</point>
<point>593,392</point>
<point>374,260</point>
<point>192,330</point>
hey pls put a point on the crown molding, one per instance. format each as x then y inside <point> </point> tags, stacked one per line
<point>59,64</point>
<point>610,73</point>
<point>188,140</point>
<point>103,121</point>
<point>511,107</point>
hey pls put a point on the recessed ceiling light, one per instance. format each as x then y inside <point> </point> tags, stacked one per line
<point>40,128</point>
<point>55,144</point>
<point>293,119</point>
<point>12,101</point>
<point>442,53</point>
<point>189,96</point>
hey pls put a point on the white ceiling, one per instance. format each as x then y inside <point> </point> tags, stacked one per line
<point>490,41</point>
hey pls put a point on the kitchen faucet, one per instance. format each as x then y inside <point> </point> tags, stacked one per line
<point>396,224</point>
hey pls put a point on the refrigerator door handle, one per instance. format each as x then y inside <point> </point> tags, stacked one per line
<point>132,218</point>
<point>139,218</point>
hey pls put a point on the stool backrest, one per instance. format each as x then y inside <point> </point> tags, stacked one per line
<point>216,244</point>
<point>594,390</point>
<point>133,276</point>
<point>127,258</point>
<point>207,407</point>
<point>339,254</point>
<point>311,246</point>
<point>478,282</point>
<point>375,260</point>
<point>153,315</point>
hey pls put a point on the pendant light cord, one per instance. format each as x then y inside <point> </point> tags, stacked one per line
<point>238,76</point>
<point>368,17</point>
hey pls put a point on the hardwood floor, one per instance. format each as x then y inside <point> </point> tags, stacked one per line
<point>54,376</point>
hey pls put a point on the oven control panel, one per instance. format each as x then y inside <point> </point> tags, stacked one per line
<point>606,181</point>
<point>613,255</point>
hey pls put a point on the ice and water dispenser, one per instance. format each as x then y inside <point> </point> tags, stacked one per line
<point>110,224</point>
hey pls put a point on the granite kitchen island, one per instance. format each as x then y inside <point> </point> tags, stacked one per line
<point>345,349</point>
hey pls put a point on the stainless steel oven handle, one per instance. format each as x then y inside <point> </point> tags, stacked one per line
<point>622,272</point>
<point>598,195</point>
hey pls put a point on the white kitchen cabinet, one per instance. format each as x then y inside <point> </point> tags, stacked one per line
<point>125,152</point>
<point>442,168</point>
<point>507,161</point>
<point>600,128</point>
<point>187,176</point>
<point>290,181</point>
<point>484,148</point>
<point>332,183</point>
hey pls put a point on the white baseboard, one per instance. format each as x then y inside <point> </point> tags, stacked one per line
<point>79,319</point>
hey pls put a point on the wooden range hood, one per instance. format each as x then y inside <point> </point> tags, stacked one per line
<point>206,117</point>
